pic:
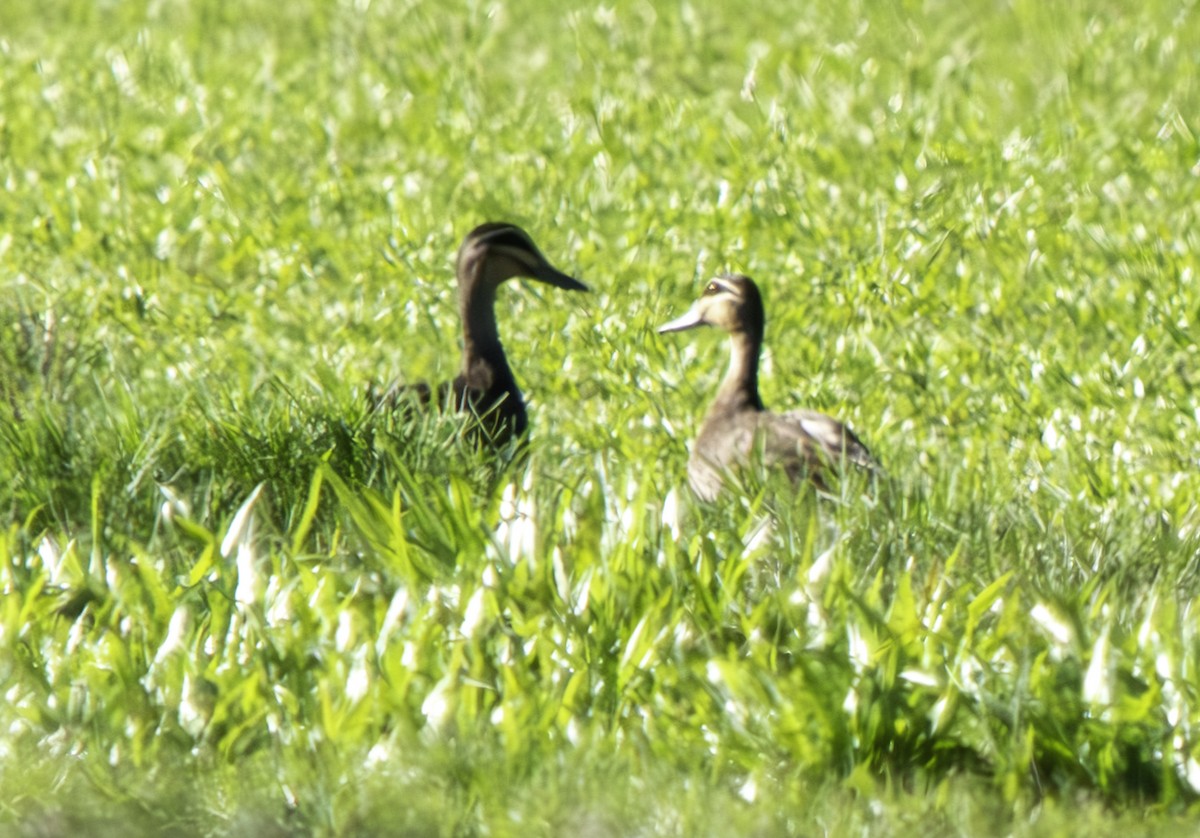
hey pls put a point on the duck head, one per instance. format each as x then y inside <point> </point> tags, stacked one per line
<point>495,252</point>
<point>730,302</point>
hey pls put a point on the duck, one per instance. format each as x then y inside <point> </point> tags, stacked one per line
<point>738,429</point>
<point>485,388</point>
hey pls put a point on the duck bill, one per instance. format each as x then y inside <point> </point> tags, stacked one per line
<point>552,276</point>
<point>688,321</point>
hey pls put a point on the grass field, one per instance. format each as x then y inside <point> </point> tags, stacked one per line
<point>233,602</point>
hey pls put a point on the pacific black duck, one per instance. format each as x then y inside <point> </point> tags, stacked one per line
<point>485,387</point>
<point>738,428</point>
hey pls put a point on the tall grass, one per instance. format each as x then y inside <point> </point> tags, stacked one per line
<point>235,598</point>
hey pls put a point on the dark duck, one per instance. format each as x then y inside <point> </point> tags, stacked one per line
<point>485,388</point>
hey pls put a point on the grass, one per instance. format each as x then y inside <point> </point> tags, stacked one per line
<point>235,601</point>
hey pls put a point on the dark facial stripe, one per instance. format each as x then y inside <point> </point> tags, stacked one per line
<point>722,285</point>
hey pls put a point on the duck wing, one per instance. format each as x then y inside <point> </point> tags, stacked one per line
<point>498,410</point>
<point>493,417</point>
<point>834,441</point>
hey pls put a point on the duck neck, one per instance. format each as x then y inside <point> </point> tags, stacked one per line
<point>484,364</point>
<point>739,389</point>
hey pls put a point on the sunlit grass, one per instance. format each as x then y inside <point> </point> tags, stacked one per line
<point>236,599</point>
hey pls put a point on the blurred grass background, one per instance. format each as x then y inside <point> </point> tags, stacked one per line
<point>975,228</point>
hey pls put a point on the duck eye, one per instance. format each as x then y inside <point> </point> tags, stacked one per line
<point>712,288</point>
